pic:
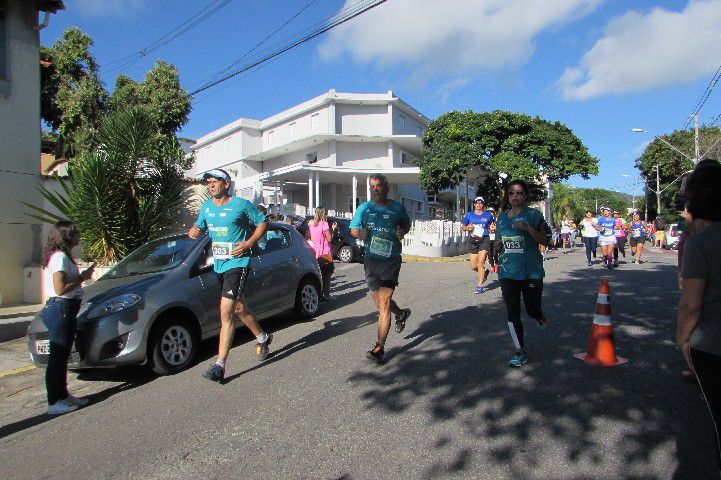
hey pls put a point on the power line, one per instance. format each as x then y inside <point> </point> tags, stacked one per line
<point>190,23</point>
<point>284,48</point>
<point>704,97</point>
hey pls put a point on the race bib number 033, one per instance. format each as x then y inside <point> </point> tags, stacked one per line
<point>381,247</point>
<point>513,244</point>
<point>221,250</point>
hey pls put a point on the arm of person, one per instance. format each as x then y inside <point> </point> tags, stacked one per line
<point>199,226</point>
<point>466,224</point>
<point>357,227</point>
<point>689,311</point>
<point>541,234</point>
<point>404,224</point>
<point>61,284</point>
<point>327,233</point>
<point>241,247</point>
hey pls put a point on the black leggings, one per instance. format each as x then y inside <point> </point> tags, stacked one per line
<point>532,290</point>
<point>493,252</point>
<point>591,246</point>
<point>708,371</point>
<point>620,245</point>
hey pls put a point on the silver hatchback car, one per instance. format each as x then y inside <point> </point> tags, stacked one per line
<point>160,301</point>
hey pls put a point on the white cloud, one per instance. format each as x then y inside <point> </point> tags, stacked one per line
<point>640,51</point>
<point>108,8</point>
<point>450,37</point>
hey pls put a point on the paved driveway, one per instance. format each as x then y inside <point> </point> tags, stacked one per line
<point>445,405</point>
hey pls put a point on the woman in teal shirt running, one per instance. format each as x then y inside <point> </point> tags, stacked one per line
<point>522,230</point>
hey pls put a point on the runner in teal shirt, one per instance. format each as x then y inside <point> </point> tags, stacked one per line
<point>381,224</point>
<point>227,225</point>
<point>520,258</point>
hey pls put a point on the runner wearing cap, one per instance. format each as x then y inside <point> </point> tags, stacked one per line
<point>234,225</point>
<point>619,230</point>
<point>605,224</point>
<point>476,222</point>
<point>590,236</point>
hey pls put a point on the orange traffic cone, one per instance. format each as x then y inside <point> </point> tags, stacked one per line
<point>601,350</point>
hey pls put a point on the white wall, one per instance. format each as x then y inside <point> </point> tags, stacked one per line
<point>302,126</point>
<point>362,119</point>
<point>363,155</point>
<point>406,124</point>
<point>20,236</point>
<point>298,157</point>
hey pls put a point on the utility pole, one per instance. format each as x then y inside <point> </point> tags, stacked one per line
<point>698,152</point>
<point>658,190</point>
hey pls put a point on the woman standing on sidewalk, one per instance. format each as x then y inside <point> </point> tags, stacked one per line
<point>698,330</point>
<point>321,235</point>
<point>60,312</point>
<point>522,230</point>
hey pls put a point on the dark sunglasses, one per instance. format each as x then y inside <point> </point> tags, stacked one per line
<point>516,192</point>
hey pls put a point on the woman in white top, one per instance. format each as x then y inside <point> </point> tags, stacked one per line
<point>61,311</point>
<point>566,229</point>
<point>590,236</point>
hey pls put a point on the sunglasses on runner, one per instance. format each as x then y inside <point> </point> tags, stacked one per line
<point>516,192</point>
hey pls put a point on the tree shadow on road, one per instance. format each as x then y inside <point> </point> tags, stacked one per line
<point>557,417</point>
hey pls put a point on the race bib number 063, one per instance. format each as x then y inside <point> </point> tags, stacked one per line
<point>221,250</point>
<point>513,244</point>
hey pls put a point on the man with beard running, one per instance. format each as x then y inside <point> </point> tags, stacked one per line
<point>234,225</point>
<point>382,223</point>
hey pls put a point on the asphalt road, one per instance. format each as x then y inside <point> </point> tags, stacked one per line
<point>445,405</point>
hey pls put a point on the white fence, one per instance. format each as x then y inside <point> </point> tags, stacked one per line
<point>435,238</point>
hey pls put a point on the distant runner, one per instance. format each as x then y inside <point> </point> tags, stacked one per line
<point>590,236</point>
<point>619,230</point>
<point>521,271</point>
<point>566,229</point>
<point>477,223</point>
<point>382,223</point>
<point>637,229</point>
<point>234,225</point>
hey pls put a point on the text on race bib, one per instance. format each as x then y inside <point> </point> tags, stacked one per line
<point>513,244</point>
<point>608,231</point>
<point>381,247</point>
<point>617,232</point>
<point>636,232</point>
<point>221,250</point>
<point>477,230</point>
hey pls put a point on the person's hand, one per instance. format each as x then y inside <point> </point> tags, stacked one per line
<point>241,248</point>
<point>87,274</point>
<point>362,234</point>
<point>334,225</point>
<point>194,232</point>
<point>400,233</point>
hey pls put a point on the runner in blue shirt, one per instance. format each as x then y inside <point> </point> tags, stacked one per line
<point>382,223</point>
<point>234,225</point>
<point>522,230</point>
<point>637,231</point>
<point>477,223</point>
<point>606,224</point>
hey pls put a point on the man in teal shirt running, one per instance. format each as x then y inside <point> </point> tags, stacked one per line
<point>382,223</point>
<point>234,225</point>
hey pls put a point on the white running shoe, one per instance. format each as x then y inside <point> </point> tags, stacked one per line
<point>61,406</point>
<point>80,402</point>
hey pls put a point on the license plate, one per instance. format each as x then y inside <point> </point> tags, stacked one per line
<point>42,347</point>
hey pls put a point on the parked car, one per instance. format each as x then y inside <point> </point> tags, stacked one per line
<point>670,240</point>
<point>160,301</point>
<point>343,246</point>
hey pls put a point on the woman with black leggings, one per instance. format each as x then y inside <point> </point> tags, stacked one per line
<point>698,330</point>
<point>590,236</point>
<point>522,230</point>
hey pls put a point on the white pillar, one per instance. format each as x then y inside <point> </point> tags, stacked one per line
<point>465,205</point>
<point>275,196</point>
<point>458,202</point>
<point>310,191</point>
<point>355,192</point>
<point>317,189</point>
<point>368,188</point>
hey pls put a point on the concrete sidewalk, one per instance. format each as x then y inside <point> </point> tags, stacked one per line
<point>14,321</point>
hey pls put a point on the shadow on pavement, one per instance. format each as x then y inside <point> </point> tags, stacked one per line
<point>557,417</point>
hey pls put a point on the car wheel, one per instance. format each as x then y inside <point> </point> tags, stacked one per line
<point>307,299</point>
<point>345,254</point>
<point>173,345</point>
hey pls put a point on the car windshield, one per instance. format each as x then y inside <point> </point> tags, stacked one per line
<point>154,256</point>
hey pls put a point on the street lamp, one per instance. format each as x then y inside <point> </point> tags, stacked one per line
<point>639,130</point>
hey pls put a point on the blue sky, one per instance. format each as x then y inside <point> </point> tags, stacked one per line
<point>600,67</point>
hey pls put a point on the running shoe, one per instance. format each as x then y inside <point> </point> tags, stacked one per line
<point>615,264</point>
<point>215,373</point>
<point>80,402</point>
<point>61,406</point>
<point>519,359</point>
<point>589,263</point>
<point>479,289</point>
<point>401,319</point>
<point>542,323</point>
<point>376,352</point>
<point>261,349</point>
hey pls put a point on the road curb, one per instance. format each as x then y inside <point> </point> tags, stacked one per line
<point>16,371</point>
<point>435,260</point>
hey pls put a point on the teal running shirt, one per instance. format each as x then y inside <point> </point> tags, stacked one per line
<point>520,258</point>
<point>381,222</point>
<point>227,225</point>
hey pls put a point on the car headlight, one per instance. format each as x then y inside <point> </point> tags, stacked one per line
<point>114,305</point>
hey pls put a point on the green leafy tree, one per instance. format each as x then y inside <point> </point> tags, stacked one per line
<point>497,147</point>
<point>673,165</point>
<point>73,98</point>
<point>122,193</point>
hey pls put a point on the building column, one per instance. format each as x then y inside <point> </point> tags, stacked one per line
<point>355,192</point>
<point>275,196</point>
<point>310,191</point>
<point>465,206</point>
<point>317,189</point>
<point>458,203</point>
<point>368,188</point>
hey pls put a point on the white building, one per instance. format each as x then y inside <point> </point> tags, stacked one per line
<point>323,151</point>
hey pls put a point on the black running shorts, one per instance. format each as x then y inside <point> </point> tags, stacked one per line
<point>232,283</point>
<point>382,273</point>
<point>478,244</point>
<point>634,241</point>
